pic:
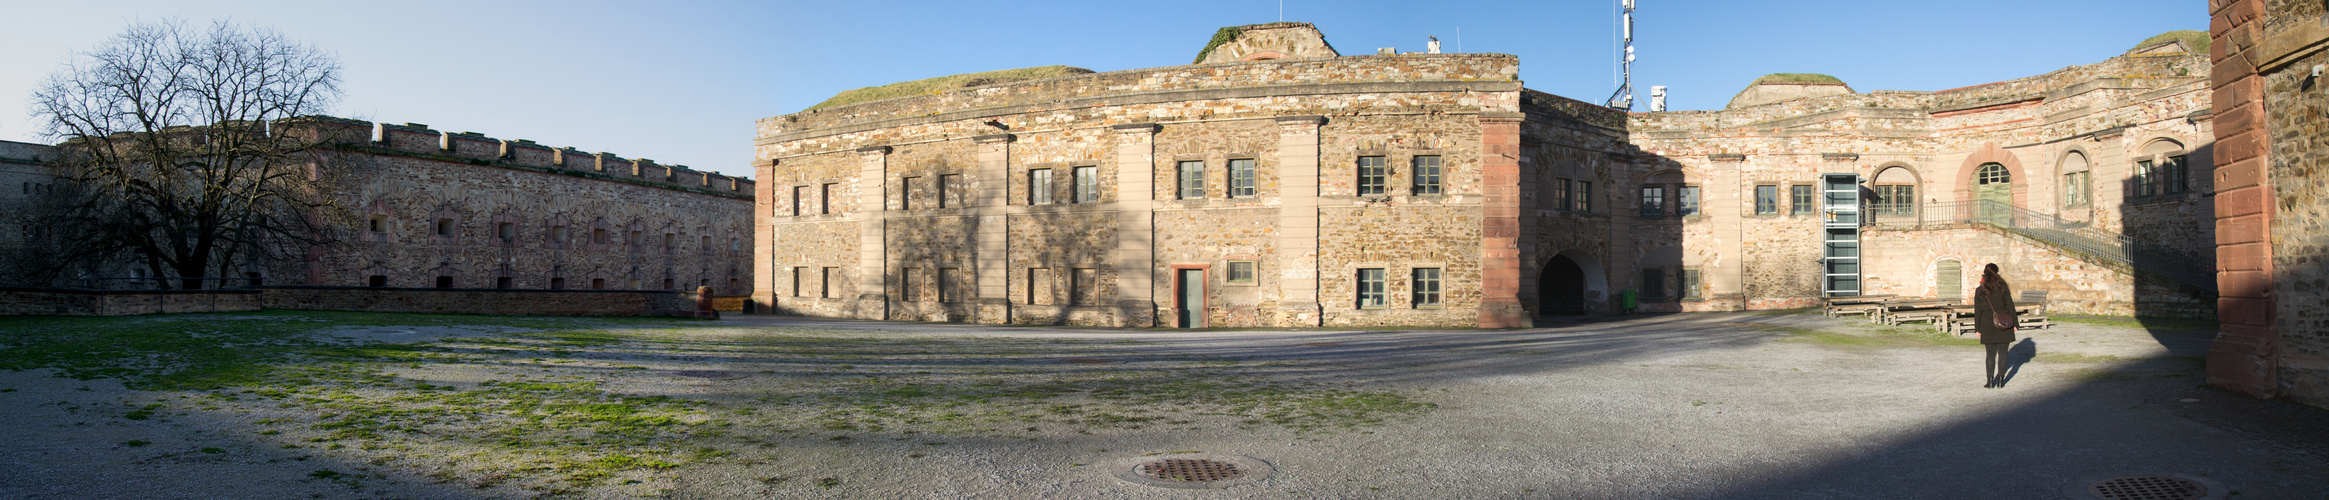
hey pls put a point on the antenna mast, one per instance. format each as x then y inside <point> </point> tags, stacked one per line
<point>1624,98</point>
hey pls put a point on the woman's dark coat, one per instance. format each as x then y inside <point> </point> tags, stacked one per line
<point>1987,301</point>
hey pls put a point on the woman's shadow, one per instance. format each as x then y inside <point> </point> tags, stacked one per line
<point>2021,353</point>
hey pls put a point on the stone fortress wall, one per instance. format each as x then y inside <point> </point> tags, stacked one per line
<point>919,208</point>
<point>2272,258</point>
<point>2100,119</point>
<point>462,210</point>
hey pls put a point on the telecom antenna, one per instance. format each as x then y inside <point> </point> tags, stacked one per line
<point>1624,98</point>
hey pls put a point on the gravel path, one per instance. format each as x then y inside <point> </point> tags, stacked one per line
<point>1674,406</point>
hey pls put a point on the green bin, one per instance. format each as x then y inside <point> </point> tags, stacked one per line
<point>1625,300</point>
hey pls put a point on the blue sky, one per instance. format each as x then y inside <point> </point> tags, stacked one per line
<point>681,82</point>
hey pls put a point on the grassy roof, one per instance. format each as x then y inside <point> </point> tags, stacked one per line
<point>1222,36</point>
<point>945,84</point>
<point>1798,79</point>
<point>2197,40</point>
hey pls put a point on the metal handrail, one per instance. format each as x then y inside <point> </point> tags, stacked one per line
<point>2083,238</point>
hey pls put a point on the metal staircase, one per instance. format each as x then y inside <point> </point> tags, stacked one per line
<point>2079,239</point>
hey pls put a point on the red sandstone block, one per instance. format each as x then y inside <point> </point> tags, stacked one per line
<point>2244,310</point>
<point>2239,202</point>
<point>2252,338</point>
<point>2236,147</point>
<point>2238,118</point>
<point>2241,229</point>
<point>2230,71</point>
<point>2239,174</point>
<point>2254,256</point>
<point>2244,283</point>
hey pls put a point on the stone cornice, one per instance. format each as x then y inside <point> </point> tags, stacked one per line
<point>1137,98</point>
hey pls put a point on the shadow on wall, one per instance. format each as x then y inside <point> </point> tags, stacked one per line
<point>2169,217</point>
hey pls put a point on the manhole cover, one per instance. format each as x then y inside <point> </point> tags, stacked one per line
<point>1324,344</point>
<point>1193,471</point>
<point>711,374</point>
<point>2145,487</point>
<point>1086,361</point>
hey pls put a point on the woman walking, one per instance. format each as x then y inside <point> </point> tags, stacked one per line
<point>1993,316</point>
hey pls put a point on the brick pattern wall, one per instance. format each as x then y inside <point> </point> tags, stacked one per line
<point>2244,355</point>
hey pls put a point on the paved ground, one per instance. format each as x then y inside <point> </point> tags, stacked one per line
<point>1675,406</point>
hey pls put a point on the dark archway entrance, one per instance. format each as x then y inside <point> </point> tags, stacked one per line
<point>1561,290</point>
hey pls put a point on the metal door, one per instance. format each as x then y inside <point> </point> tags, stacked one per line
<point>1189,298</point>
<point>1949,280</point>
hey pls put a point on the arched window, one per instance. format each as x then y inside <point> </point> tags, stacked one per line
<point>1992,173</point>
<point>1896,192</point>
<point>2076,188</point>
<point>2160,170</point>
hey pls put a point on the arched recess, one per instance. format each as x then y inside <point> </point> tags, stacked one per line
<point>1967,187</point>
<point>2076,170</point>
<point>1949,279</point>
<point>2160,167</point>
<point>1569,282</point>
<point>1896,187</point>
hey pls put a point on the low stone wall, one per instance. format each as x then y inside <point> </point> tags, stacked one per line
<point>70,302</point>
<point>482,301</point>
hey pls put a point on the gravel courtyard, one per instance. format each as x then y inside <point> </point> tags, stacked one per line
<point>1794,405</point>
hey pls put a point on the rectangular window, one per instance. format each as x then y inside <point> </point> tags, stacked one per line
<point>825,198</point>
<point>1653,284</point>
<point>670,241</point>
<point>598,283</point>
<point>1371,289</point>
<point>1801,199</point>
<point>908,285</point>
<point>906,192</point>
<point>949,284</point>
<point>800,281</point>
<point>669,284</point>
<point>1686,202</point>
<point>1039,283</point>
<point>1426,286</point>
<point>444,227</point>
<point>1561,189</point>
<point>598,236</point>
<point>502,283</point>
<point>800,200</point>
<point>1653,201</point>
<point>2074,192</point>
<point>2145,176</point>
<point>950,191</point>
<point>507,231</point>
<point>1084,287</point>
<point>1426,170</point>
<point>825,282</point>
<point>1766,199</point>
<point>557,283</point>
<point>557,234</point>
<point>1896,200</point>
<point>1690,283</point>
<point>1039,186</point>
<point>1191,175</point>
<point>376,281</point>
<point>1373,174</point>
<point>1241,178</point>
<point>1087,187</point>
<point>2176,176</point>
<point>1583,197</point>
<point>1241,271</point>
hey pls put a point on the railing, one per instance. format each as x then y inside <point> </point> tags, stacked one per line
<point>2081,238</point>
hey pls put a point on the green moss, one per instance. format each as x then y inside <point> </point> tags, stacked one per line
<point>2196,40</point>
<point>1222,36</point>
<point>1799,79</point>
<point>943,84</point>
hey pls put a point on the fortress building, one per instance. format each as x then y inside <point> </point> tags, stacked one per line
<point>1279,183</point>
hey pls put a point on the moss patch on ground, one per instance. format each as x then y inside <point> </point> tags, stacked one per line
<point>944,84</point>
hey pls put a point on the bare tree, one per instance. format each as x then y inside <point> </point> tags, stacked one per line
<point>180,152</point>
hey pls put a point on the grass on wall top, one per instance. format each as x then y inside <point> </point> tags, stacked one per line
<point>943,84</point>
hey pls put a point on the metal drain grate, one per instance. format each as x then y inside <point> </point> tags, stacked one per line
<point>2148,488</point>
<point>1190,470</point>
<point>1086,361</point>
<point>711,374</point>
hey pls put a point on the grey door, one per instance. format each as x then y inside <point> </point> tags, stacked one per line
<point>1189,298</point>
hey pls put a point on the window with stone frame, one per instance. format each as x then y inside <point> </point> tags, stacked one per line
<point>800,281</point>
<point>2175,175</point>
<point>507,232</point>
<point>950,191</point>
<point>1241,272</point>
<point>670,242</point>
<point>558,235</point>
<point>2146,181</point>
<point>1561,190</point>
<point>1766,199</point>
<point>557,283</point>
<point>950,285</point>
<point>909,285</point>
<point>1190,180</point>
<point>444,227</point>
<point>1653,284</point>
<point>378,223</point>
<point>1690,284</point>
<point>1653,201</point>
<point>2075,190</point>
<point>1582,198</point>
<point>1084,287</point>
<point>1371,290</point>
<point>825,198</point>
<point>1374,175</point>
<point>1686,200</point>
<point>828,282</point>
<point>1241,178</point>
<point>1426,174</point>
<point>800,200</point>
<point>1039,286</point>
<point>1087,184</point>
<point>906,192</point>
<point>1039,186</point>
<point>1425,287</point>
<point>1893,200</point>
<point>1802,199</point>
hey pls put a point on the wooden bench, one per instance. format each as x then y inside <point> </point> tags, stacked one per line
<point>2031,310</point>
<point>1904,311</point>
<point>1871,305</point>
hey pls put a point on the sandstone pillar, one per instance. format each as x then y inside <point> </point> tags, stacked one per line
<point>1500,221</point>
<point>763,239</point>
<point>1722,268</point>
<point>1136,224</point>
<point>2245,356</point>
<point>992,199</point>
<point>1297,252</point>
<point>872,249</point>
